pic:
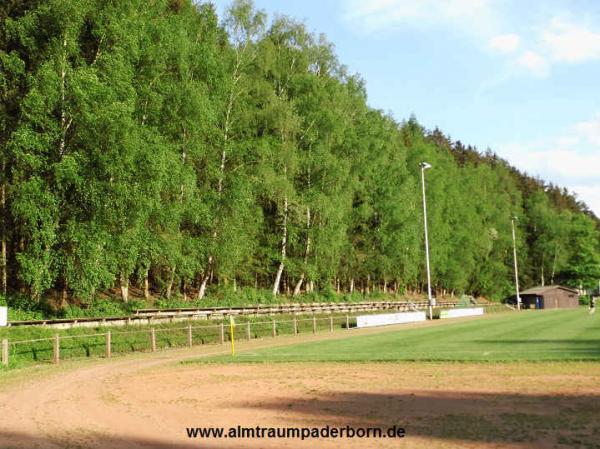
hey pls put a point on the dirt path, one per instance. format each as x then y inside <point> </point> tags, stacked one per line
<point>148,400</point>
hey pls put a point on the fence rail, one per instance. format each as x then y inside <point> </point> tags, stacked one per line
<point>149,316</point>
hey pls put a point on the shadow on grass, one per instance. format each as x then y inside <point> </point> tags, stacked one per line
<point>526,420</point>
<point>9,440</point>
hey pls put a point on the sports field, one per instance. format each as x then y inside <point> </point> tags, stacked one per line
<point>518,380</point>
<point>571,335</point>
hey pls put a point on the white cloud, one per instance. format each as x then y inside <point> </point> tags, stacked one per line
<point>590,131</point>
<point>571,43</point>
<point>571,159</point>
<point>505,43</point>
<point>377,15</point>
<point>534,63</point>
<point>590,196</point>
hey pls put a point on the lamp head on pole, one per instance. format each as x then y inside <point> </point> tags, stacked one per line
<point>424,165</point>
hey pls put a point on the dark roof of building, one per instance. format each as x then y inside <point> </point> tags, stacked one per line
<point>545,289</point>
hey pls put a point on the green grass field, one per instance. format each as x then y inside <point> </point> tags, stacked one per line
<point>570,335</point>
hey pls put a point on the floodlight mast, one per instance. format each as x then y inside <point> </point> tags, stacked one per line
<point>424,166</point>
<point>514,236</point>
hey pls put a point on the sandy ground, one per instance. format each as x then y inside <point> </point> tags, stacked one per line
<point>148,400</point>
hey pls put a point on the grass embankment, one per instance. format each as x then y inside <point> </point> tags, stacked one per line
<point>562,335</point>
<point>21,308</point>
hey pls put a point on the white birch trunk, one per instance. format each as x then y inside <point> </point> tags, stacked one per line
<point>64,124</point>
<point>306,253</point>
<point>170,284</point>
<point>3,256</point>
<point>283,248</point>
<point>146,286</point>
<point>124,284</point>
<point>299,285</point>
<point>205,278</point>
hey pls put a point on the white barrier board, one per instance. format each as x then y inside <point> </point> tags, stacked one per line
<point>456,313</point>
<point>389,318</point>
<point>3,315</point>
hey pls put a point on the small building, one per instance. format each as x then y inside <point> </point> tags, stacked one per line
<point>550,297</point>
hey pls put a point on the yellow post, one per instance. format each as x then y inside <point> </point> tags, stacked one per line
<point>231,327</point>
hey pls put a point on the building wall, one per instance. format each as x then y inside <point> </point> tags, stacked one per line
<point>558,299</point>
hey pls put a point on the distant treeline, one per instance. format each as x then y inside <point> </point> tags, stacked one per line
<point>146,143</point>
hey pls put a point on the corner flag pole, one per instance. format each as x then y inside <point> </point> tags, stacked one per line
<point>231,327</point>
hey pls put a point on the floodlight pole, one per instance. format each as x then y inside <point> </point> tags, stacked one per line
<point>514,236</point>
<point>424,166</point>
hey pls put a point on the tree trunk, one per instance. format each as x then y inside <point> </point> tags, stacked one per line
<point>170,284</point>
<point>3,255</point>
<point>205,278</point>
<point>351,285</point>
<point>283,248</point>
<point>64,123</point>
<point>124,284</point>
<point>306,252</point>
<point>146,286</point>
<point>299,285</point>
<point>202,289</point>
<point>64,295</point>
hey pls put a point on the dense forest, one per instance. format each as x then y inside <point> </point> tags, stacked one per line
<point>149,145</point>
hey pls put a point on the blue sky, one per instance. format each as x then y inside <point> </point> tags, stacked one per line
<point>520,77</point>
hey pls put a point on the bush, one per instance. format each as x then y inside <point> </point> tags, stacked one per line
<point>24,315</point>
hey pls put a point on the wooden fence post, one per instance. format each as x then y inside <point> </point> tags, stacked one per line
<point>347,322</point>
<point>56,349</point>
<point>5,352</point>
<point>153,339</point>
<point>108,344</point>
<point>330,324</point>
<point>190,336</point>
<point>314,324</point>
<point>222,333</point>
<point>274,329</point>
<point>295,326</point>
<point>248,331</point>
